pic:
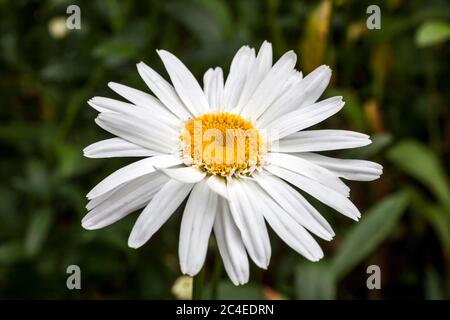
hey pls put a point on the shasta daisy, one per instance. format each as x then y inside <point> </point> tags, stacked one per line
<point>236,148</point>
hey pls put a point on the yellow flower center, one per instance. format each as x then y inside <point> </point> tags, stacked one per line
<point>222,144</point>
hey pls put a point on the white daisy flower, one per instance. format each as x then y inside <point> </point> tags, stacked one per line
<point>255,184</point>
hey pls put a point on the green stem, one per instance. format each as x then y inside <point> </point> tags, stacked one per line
<point>217,272</point>
<point>197,287</point>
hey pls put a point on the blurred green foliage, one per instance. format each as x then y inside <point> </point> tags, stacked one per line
<point>395,82</point>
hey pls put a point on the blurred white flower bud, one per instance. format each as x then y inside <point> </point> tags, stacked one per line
<point>182,288</point>
<point>57,27</point>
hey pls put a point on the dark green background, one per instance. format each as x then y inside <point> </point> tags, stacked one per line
<point>394,80</point>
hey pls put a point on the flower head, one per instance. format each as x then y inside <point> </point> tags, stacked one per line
<point>235,149</point>
<point>222,144</point>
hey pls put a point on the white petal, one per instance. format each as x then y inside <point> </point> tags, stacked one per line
<point>286,102</point>
<point>295,77</point>
<point>251,224</point>
<point>218,185</point>
<point>116,147</point>
<point>150,134</point>
<point>230,245</point>
<point>185,174</point>
<point>164,91</point>
<point>148,112</point>
<point>295,205</point>
<point>351,169</point>
<point>315,84</point>
<point>95,201</point>
<point>282,223</point>
<point>196,226</point>
<point>303,92</point>
<point>185,84</point>
<point>271,86</point>
<point>132,171</point>
<point>135,96</point>
<point>124,200</point>
<point>103,104</point>
<point>158,211</point>
<point>322,140</point>
<point>139,98</point>
<point>256,74</point>
<point>213,87</point>
<point>310,170</point>
<point>237,76</point>
<point>324,194</point>
<point>305,117</point>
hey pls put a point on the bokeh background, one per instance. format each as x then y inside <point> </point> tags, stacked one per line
<point>395,84</point>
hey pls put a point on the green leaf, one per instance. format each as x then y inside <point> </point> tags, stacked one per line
<point>114,49</point>
<point>203,19</point>
<point>64,71</point>
<point>437,216</point>
<point>117,13</point>
<point>432,32</point>
<point>11,252</point>
<point>37,232</point>
<point>71,161</point>
<point>353,111</point>
<point>374,227</point>
<point>379,142</point>
<point>315,281</point>
<point>433,285</point>
<point>440,219</point>
<point>420,162</point>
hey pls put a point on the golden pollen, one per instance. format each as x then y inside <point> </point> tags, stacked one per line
<point>222,144</point>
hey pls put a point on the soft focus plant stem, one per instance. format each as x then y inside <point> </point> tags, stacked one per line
<point>198,283</point>
<point>199,280</point>
<point>217,272</point>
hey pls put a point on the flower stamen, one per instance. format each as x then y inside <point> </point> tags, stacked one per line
<point>222,144</point>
